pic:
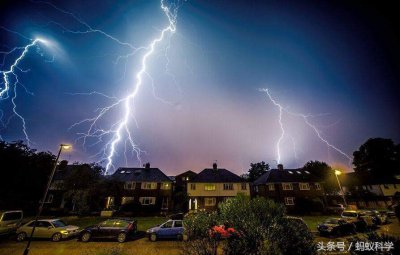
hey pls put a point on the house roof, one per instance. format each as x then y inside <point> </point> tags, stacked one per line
<point>358,179</point>
<point>287,175</point>
<point>125,174</point>
<point>216,175</point>
<point>189,172</point>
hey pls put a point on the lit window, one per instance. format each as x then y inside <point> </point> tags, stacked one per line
<point>149,185</point>
<point>244,186</point>
<point>193,186</point>
<point>210,201</point>
<point>287,186</point>
<point>298,172</point>
<point>165,185</point>
<point>271,187</point>
<point>304,186</point>
<point>228,186</point>
<point>209,187</point>
<point>307,172</point>
<point>129,185</point>
<point>317,186</point>
<point>290,172</point>
<point>147,200</point>
<point>289,200</point>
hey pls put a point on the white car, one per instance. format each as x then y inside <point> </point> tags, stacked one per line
<point>10,221</point>
<point>360,219</point>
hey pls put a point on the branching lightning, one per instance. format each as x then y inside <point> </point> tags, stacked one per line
<point>121,128</point>
<point>10,80</point>
<point>306,119</point>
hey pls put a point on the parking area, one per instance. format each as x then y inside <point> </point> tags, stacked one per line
<point>141,245</point>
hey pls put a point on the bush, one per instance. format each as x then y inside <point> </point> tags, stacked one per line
<point>258,227</point>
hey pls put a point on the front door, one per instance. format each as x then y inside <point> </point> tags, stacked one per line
<point>166,230</point>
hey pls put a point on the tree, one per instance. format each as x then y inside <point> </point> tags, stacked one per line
<point>377,156</point>
<point>24,175</point>
<point>256,170</point>
<point>324,172</point>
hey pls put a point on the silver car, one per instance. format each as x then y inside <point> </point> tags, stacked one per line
<point>10,221</point>
<point>54,229</point>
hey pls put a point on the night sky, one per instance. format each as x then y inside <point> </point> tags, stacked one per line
<point>338,60</point>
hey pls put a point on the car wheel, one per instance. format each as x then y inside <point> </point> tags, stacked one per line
<point>56,237</point>
<point>153,237</point>
<point>86,237</point>
<point>121,237</point>
<point>21,237</point>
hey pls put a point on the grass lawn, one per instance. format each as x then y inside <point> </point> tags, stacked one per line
<point>144,223</point>
<point>313,221</point>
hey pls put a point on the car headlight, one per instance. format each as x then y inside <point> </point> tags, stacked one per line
<point>65,232</point>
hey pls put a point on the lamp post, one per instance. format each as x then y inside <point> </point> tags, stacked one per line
<point>62,146</point>
<point>337,173</point>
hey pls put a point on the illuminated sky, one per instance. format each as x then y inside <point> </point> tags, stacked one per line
<point>337,59</point>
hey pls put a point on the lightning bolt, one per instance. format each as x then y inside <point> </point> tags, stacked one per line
<point>306,119</point>
<point>10,80</point>
<point>121,128</point>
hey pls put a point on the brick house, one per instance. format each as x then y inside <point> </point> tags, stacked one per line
<point>214,185</point>
<point>289,186</point>
<point>148,186</point>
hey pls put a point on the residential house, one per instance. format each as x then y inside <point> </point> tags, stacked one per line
<point>179,195</point>
<point>214,185</point>
<point>289,186</point>
<point>55,200</point>
<point>148,186</point>
<point>367,191</point>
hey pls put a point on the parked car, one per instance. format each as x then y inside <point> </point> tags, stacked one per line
<point>377,217</point>
<point>336,227</point>
<point>119,229</point>
<point>389,214</point>
<point>55,229</point>
<point>337,208</point>
<point>169,229</point>
<point>10,221</point>
<point>360,219</point>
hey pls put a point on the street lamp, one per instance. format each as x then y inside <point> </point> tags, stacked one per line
<point>337,173</point>
<point>62,146</point>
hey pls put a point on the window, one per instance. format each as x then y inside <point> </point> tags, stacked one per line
<point>147,200</point>
<point>210,201</point>
<point>12,216</point>
<point>43,224</point>
<point>50,199</point>
<point>167,224</point>
<point>287,186</point>
<point>304,186</point>
<point>228,186</point>
<point>126,200</point>
<point>130,185</point>
<point>226,198</point>
<point>244,186</point>
<point>317,186</point>
<point>255,188</point>
<point>289,200</point>
<point>178,224</point>
<point>209,187</point>
<point>107,224</point>
<point>271,187</point>
<point>149,185</point>
<point>193,186</point>
<point>165,186</point>
<point>298,172</point>
<point>59,224</point>
<point>183,178</point>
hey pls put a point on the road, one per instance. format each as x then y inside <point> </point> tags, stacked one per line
<point>141,246</point>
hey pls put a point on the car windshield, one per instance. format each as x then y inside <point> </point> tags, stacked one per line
<point>331,221</point>
<point>349,214</point>
<point>59,223</point>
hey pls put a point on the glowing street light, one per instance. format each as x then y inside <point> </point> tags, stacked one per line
<point>62,147</point>
<point>337,173</point>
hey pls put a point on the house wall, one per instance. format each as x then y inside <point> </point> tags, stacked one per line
<point>219,190</point>
<point>389,189</point>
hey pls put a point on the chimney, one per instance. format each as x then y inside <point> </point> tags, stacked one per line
<point>280,167</point>
<point>215,166</point>
<point>147,165</point>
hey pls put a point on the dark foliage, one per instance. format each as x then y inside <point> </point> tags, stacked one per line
<point>24,175</point>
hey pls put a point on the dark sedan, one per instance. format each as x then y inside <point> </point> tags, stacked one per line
<point>336,227</point>
<point>119,229</point>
